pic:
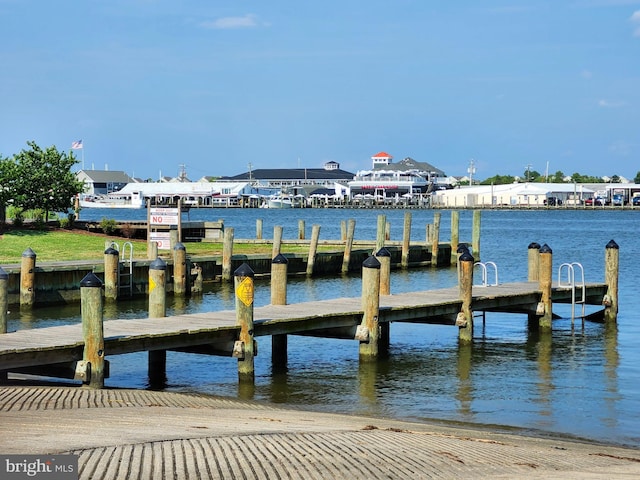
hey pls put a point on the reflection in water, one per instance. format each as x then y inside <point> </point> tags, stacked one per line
<point>367,381</point>
<point>464,395</point>
<point>611,364</point>
<point>545,373</point>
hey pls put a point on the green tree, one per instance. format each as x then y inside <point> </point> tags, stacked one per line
<point>557,177</point>
<point>636,179</point>
<point>7,186</point>
<point>44,180</point>
<point>498,180</point>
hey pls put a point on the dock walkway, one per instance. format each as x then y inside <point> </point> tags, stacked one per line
<point>215,332</point>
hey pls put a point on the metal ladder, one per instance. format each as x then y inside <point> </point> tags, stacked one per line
<point>570,281</point>
<point>125,267</point>
<point>485,276</point>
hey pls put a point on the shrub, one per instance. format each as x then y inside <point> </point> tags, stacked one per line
<point>108,225</point>
<point>127,230</point>
<point>16,215</point>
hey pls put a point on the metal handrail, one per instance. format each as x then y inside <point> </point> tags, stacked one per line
<point>485,276</point>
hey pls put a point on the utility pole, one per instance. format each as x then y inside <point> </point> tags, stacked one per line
<point>471,171</point>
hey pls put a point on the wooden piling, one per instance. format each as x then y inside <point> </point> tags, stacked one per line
<point>157,365</point>
<point>4,299</point>
<point>313,247</point>
<point>277,241</point>
<point>227,253</point>
<point>111,273</point>
<point>545,279</point>
<point>348,246</point>
<point>174,236</point>
<point>384,257</point>
<point>435,239</point>
<point>406,239</point>
<point>371,306</point>
<point>381,231</point>
<point>455,234</point>
<point>279,266</point>
<point>152,250</point>
<point>533,262</point>
<point>28,278</point>
<point>611,271</point>
<point>180,278</point>
<point>465,285</point>
<point>244,290</point>
<point>343,230</point>
<point>279,343</point>
<point>259,229</point>
<point>92,330</point>
<point>475,235</point>
<point>301,227</point>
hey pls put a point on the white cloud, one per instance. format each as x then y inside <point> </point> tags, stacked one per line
<point>635,19</point>
<point>247,21</point>
<point>610,104</point>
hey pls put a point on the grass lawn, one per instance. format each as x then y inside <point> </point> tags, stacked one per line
<point>61,245</point>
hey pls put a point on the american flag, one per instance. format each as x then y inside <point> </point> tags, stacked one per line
<point>77,145</point>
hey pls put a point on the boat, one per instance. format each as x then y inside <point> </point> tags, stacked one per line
<point>113,200</point>
<point>278,201</point>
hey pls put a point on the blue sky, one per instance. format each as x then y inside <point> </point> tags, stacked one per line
<point>150,85</point>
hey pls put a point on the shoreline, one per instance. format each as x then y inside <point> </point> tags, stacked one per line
<point>125,433</point>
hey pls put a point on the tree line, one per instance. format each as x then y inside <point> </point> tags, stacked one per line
<point>558,177</point>
<point>38,180</point>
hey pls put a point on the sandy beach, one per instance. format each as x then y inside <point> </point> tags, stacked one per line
<point>141,434</point>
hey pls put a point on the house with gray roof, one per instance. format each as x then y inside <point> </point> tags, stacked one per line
<point>103,182</point>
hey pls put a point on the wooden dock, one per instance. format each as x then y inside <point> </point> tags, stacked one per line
<point>217,332</point>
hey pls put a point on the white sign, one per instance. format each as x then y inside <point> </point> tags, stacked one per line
<point>164,216</point>
<point>163,239</point>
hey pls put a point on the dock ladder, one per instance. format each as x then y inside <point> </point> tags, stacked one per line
<point>125,267</point>
<point>485,277</point>
<point>569,270</point>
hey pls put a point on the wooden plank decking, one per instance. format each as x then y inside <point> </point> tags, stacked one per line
<point>218,330</point>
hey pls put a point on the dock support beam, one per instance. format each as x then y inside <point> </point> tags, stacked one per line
<point>384,257</point>
<point>455,234</point>
<point>243,285</point>
<point>180,285</point>
<point>406,239</point>
<point>346,259</point>
<point>28,278</point>
<point>227,253</point>
<point>279,297</point>
<point>4,299</point>
<point>277,241</point>
<point>465,285</point>
<point>545,282</point>
<point>111,273</point>
<point>435,239</point>
<point>475,234</point>
<point>369,328</point>
<point>92,330</point>
<point>533,262</point>
<point>157,309</point>
<point>313,248</point>
<point>381,231</point>
<point>611,264</point>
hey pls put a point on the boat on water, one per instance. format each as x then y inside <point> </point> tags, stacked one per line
<point>113,200</point>
<point>278,201</point>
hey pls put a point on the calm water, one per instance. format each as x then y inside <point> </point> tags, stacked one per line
<point>582,381</point>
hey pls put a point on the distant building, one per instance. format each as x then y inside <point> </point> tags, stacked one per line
<point>103,182</point>
<point>295,180</point>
